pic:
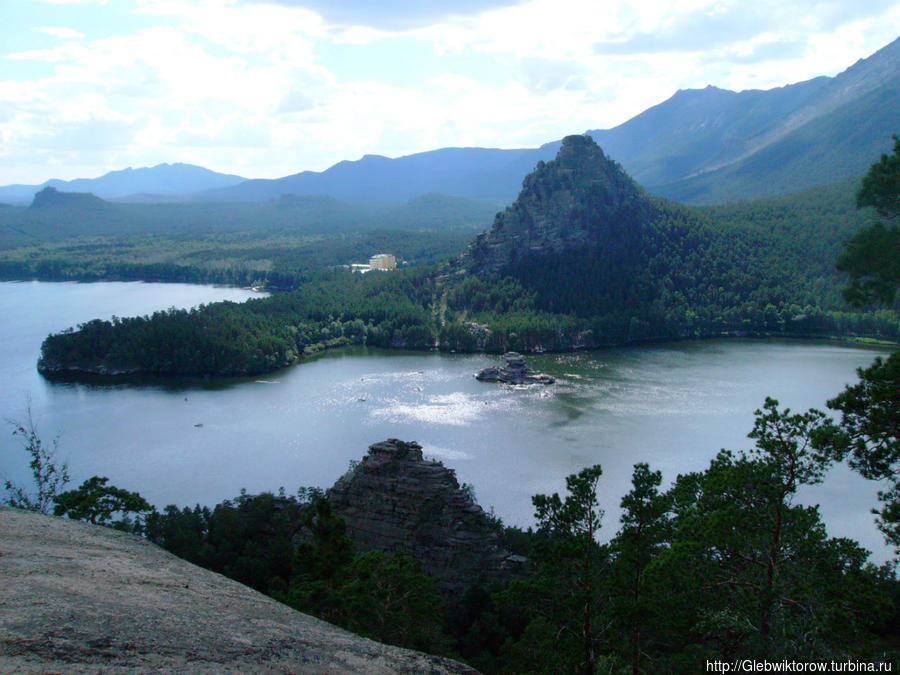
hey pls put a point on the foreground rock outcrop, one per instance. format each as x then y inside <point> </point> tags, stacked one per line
<point>395,500</point>
<point>78,598</point>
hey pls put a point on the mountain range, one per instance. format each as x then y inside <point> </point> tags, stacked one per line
<point>700,146</point>
<point>163,182</point>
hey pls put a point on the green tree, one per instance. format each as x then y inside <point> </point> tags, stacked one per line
<point>97,502</point>
<point>318,562</point>
<point>870,434</point>
<point>645,532</point>
<point>871,256</point>
<point>182,532</point>
<point>785,451</point>
<point>749,572</point>
<point>870,409</point>
<point>562,598</point>
<point>382,595</point>
<point>330,548</point>
<point>871,261</point>
<point>49,476</point>
<point>576,523</point>
<point>881,185</point>
<point>387,597</point>
<point>250,539</point>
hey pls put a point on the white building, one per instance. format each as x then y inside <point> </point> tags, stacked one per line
<point>383,261</point>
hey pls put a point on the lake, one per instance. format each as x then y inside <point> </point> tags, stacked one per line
<point>185,442</point>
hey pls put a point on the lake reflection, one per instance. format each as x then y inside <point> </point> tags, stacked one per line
<point>673,406</point>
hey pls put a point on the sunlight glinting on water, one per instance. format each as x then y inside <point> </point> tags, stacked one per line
<point>457,409</point>
<point>673,406</point>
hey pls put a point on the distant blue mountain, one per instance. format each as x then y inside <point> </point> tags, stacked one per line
<point>765,143</point>
<point>699,146</point>
<point>699,128</point>
<point>477,173</point>
<point>157,183</point>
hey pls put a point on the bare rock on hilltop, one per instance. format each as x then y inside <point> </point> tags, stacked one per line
<point>396,500</point>
<point>79,598</point>
<point>582,199</point>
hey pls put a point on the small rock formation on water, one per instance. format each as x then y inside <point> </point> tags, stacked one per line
<point>81,598</point>
<point>516,371</point>
<point>395,500</point>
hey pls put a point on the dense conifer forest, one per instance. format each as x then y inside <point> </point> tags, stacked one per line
<point>663,272</point>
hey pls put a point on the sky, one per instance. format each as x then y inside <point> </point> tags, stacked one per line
<point>267,88</point>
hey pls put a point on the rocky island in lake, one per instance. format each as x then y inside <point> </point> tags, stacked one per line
<point>516,371</point>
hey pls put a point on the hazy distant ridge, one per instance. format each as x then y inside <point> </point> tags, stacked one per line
<point>478,173</point>
<point>162,180</point>
<point>700,146</point>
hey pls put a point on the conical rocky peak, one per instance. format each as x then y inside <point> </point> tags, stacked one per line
<point>578,199</point>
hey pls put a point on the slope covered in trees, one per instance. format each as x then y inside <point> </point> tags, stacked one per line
<point>583,258</point>
<point>254,337</point>
<point>585,249</point>
<point>724,564</point>
<point>276,243</point>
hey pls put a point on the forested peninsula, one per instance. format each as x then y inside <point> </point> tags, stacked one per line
<point>583,258</point>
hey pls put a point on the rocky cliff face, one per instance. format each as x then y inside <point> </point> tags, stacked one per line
<point>395,500</point>
<point>581,198</point>
<point>81,598</point>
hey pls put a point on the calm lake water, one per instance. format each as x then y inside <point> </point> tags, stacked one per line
<point>673,406</point>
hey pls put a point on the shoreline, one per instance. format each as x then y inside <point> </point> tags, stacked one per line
<point>142,378</point>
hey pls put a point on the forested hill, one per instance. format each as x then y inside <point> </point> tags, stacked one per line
<point>584,258</point>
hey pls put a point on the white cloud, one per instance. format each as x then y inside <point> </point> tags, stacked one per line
<point>263,28</point>
<point>54,55</point>
<point>59,32</point>
<point>296,100</point>
<point>257,88</point>
<point>391,14</point>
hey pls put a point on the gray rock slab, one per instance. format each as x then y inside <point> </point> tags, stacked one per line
<point>77,598</point>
